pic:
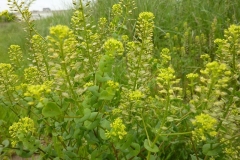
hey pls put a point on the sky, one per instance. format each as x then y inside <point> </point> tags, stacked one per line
<point>39,4</point>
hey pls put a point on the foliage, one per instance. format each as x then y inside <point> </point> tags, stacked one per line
<point>96,92</point>
<point>5,16</point>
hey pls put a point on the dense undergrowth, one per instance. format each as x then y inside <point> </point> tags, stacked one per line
<point>124,88</point>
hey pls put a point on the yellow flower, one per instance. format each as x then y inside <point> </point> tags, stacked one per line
<point>88,84</point>
<point>204,125</point>
<point>114,85</point>
<point>136,95</point>
<point>117,129</point>
<point>192,75</point>
<point>38,91</point>
<point>60,31</point>
<point>117,9</point>
<point>23,126</point>
<point>113,46</point>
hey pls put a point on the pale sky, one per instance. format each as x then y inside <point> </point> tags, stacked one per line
<point>39,4</point>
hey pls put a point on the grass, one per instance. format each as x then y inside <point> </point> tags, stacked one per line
<point>10,33</point>
<point>13,32</point>
<point>172,14</point>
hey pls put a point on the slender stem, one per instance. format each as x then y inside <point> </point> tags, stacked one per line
<point>175,134</point>
<point>115,151</point>
<point>86,35</point>
<point>144,125</point>
<point>67,75</point>
<point>194,148</point>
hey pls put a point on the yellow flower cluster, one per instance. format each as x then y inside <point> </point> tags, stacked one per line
<point>231,150</point>
<point>32,75</point>
<point>5,68</point>
<point>23,126</point>
<point>102,21</point>
<point>192,75</point>
<point>38,91</point>
<point>15,55</point>
<point>165,56</point>
<point>60,31</point>
<point>88,84</point>
<point>146,16</point>
<point>136,95</point>
<point>39,50</point>
<point>115,111</point>
<point>125,38</point>
<point>7,77</point>
<point>117,9</point>
<point>205,57</point>
<point>217,73</point>
<point>117,129</point>
<point>62,44</point>
<point>112,84</point>
<point>228,48</point>
<point>214,68</point>
<point>204,125</point>
<point>145,25</point>
<point>113,47</point>
<point>232,32</point>
<point>166,74</point>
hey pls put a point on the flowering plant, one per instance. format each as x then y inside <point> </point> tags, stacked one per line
<point>93,92</point>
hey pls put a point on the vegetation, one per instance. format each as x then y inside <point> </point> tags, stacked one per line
<point>126,80</point>
<point>5,16</point>
<point>14,32</point>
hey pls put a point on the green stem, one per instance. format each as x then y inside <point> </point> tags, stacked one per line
<point>164,119</point>
<point>145,128</point>
<point>175,134</point>
<point>67,75</point>
<point>86,35</point>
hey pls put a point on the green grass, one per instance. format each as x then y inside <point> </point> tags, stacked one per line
<point>13,32</point>
<point>171,14</point>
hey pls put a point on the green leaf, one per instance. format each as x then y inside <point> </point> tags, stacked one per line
<point>128,141</point>
<point>106,95</point>
<point>134,150</point>
<point>91,125</point>
<point>87,113</point>
<point>1,149</point>
<point>211,149</point>
<point>105,124</point>
<point>22,152</point>
<point>150,148</point>
<point>100,77</point>
<point>94,90</point>
<point>70,100</point>
<point>193,157</point>
<point>6,143</point>
<point>51,110</point>
<point>102,134</point>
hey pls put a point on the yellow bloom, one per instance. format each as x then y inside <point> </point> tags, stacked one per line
<point>117,129</point>
<point>204,125</point>
<point>136,95</point>
<point>23,126</point>
<point>113,46</point>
